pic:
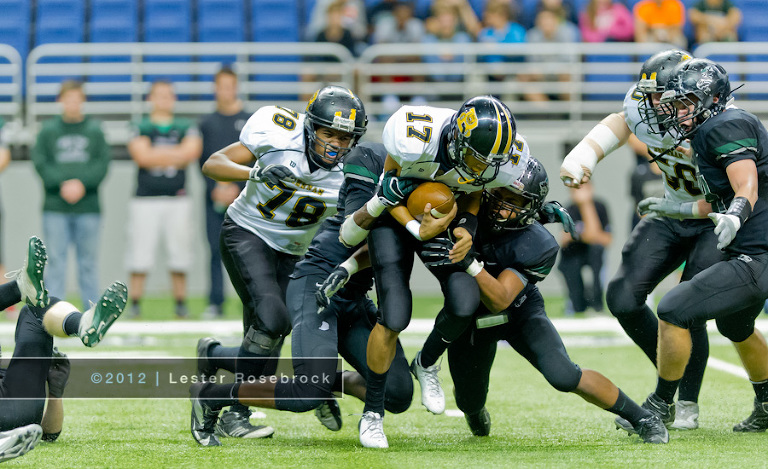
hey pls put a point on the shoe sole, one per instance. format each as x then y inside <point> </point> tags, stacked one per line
<point>111,305</point>
<point>336,426</point>
<point>37,254</point>
<point>27,438</point>
<point>206,439</point>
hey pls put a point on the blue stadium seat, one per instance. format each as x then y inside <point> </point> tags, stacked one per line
<point>59,21</point>
<point>167,21</point>
<point>114,21</point>
<point>220,21</point>
<point>15,25</point>
<point>275,21</point>
<point>608,77</point>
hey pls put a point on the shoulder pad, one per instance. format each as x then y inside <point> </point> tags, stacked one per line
<point>273,127</point>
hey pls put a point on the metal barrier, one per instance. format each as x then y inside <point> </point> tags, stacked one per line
<point>118,75</point>
<point>579,83</point>
<point>10,90</point>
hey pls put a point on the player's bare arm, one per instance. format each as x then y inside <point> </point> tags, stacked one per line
<point>611,133</point>
<point>230,164</point>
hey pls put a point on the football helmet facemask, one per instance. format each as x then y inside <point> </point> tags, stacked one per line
<point>698,90</point>
<point>480,139</point>
<point>515,206</point>
<point>334,107</point>
<point>654,76</point>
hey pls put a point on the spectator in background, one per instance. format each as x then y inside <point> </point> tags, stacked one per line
<point>399,27</point>
<point>163,146</point>
<point>444,29</point>
<point>569,12</point>
<point>335,30</point>
<point>218,130</point>
<point>498,25</point>
<point>715,21</point>
<point>353,18</point>
<point>467,19</point>
<point>72,158</point>
<point>551,27</point>
<point>591,218</point>
<point>606,21</point>
<point>5,159</point>
<point>660,21</point>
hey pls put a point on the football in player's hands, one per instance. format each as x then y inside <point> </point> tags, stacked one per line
<point>435,193</point>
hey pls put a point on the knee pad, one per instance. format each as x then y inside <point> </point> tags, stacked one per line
<point>565,380</point>
<point>295,396</point>
<point>736,332</point>
<point>621,299</point>
<point>259,342</point>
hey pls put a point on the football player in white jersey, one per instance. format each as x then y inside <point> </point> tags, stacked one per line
<point>292,187</point>
<point>474,148</point>
<point>658,244</point>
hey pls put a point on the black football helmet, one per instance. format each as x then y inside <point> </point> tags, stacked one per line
<point>515,206</point>
<point>481,135</point>
<point>337,108</point>
<point>654,76</point>
<point>699,86</point>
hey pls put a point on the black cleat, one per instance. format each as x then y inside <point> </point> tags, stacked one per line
<point>659,408</point>
<point>757,422</point>
<point>329,414</point>
<point>479,423</point>
<point>58,373</point>
<point>205,368</point>
<point>204,418</point>
<point>652,430</point>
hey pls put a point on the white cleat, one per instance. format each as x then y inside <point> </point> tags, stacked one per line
<point>372,431</point>
<point>432,395</point>
<point>686,416</point>
<point>19,441</point>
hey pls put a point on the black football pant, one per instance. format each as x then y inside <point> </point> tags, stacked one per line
<point>316,340</point>
<point>571,265</point>
<point>656,247</point>
<point>531,333</point>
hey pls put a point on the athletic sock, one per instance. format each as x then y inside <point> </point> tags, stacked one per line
<point>690,385</point>
<point>761,390</point>
<point>665,390</point>
<point>642,327</point>
<point>434,347</point>
<point>374,392</point>
<point>72,323</point>
<point>224,358</point>
<point>628,409</point>
<point>220,395</point>
<point>9,295</point>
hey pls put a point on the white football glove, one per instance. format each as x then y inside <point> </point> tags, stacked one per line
<point>726,227</point>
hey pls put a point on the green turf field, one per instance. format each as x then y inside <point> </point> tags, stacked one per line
<point>533,425</point>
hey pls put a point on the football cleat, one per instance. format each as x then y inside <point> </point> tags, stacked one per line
<point>97,320</point>
<point>432,395</point>
<point>479,423</point>
<point>757,421</point>
<point>371,428</point>
<point>29,278</point>
<point>237,424</point>
<point>659,408</point>
<point>19,441</point>
<point>686,416</point>
<point>652,430</point>
<point>329,414</point>
<point>203,418</point>
<point>58,373</point>
<point>182,312</point>
<point>204,366</point>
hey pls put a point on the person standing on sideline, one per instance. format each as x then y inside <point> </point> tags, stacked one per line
<point>72,157</point>
<point>163,146</point>
<point>218,129</point>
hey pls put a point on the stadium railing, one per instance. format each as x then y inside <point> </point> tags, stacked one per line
<point>585,81</point>
<point>11,68</point>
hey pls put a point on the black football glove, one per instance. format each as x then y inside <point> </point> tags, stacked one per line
<point>435,252</point>
<point>553,212</point>
<point>58,373</point>
<point>338,278</point>
<point>273,173</point>
<point>393,189</point>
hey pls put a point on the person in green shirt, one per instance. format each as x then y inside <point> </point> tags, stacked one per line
<point>72,157</point>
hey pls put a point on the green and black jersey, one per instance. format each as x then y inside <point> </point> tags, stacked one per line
<point>169,181</point>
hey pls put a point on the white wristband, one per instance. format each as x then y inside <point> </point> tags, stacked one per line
<point>582,156</point>
<point>690,209</point>
<point>474,268</point>
<point>375,207</point>
<point>350,265</point>
<point>252,175</point>
<point>605,139</point>
<point>350,234</point>
<point>413,227</point>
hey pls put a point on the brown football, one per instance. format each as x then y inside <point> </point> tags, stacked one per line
<point>435,193</point>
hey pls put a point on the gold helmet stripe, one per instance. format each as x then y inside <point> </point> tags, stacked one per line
<point>497,143</point>
<point>509,132</point>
